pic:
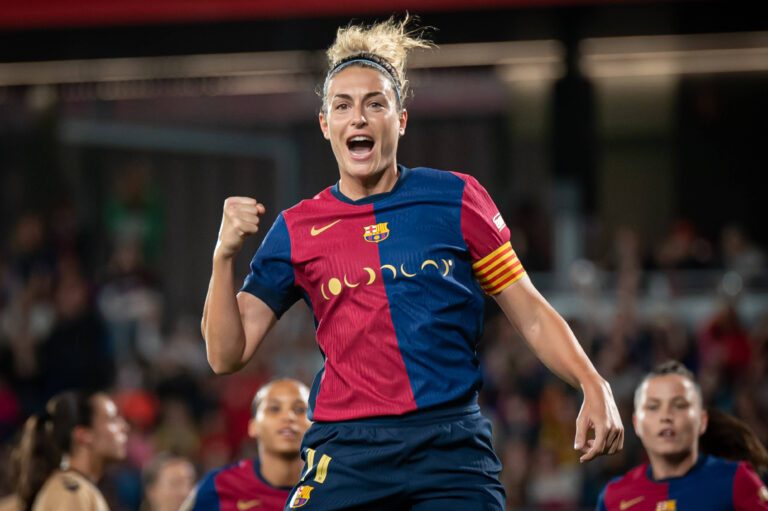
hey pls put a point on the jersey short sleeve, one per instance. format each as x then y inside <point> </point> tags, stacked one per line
<point>272,278</point>
<point>494,262</point>
<point>749,492</point>
<point>203,496</point>
<point>601,501</point>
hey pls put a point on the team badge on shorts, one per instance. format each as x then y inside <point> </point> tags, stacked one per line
<point>376,233</point>
<point>301,496</point>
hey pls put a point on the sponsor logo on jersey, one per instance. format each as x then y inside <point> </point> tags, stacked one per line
<point>243,505</point>
<point>301,496</point>
<point>499,222</point>
<point>314,231</point>
<point>626,504</point>
<point>367,275</point>
<point>376,233</point>
<point>666,505</point>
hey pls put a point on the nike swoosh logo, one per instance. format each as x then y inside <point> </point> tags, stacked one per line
<point>315,232</point>
<point>624,504</point>
<point>242,505</point>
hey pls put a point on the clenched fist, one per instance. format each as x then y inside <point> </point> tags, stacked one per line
<point>239,221</point>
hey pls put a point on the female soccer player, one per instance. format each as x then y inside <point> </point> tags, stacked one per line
<point>278,422</point>
<point>670,421</point>
<point>64,450</point>
<point>392,262</point>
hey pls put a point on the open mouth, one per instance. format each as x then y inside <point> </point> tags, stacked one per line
<point>360,146</point>
<point>667,433</point>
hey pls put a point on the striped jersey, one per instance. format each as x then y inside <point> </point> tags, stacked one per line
<point>712,484</point>
<point>236,487</point>
<point>395,282</point>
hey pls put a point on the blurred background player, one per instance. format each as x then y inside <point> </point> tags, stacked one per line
<point>64,450</point>
<point>681,439</point>
<point>278,422</point>
<point>394,263</point>
<point>167,480</point>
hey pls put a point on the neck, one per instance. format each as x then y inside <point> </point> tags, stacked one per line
<point>82,461</point>
<point>280,469</point>
<point>359,188</point>
<point>667,466</point>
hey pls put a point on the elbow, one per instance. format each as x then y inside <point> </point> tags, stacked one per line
<point>220,362</point>
<point>221,367</point>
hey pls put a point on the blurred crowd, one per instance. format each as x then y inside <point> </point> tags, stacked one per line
<point>67,321</point>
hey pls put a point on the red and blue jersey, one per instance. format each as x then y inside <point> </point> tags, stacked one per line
<point>395,282</point>
<point>713,484</point>
<point>236,487</point>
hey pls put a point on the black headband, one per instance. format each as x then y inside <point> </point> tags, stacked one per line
<point>371,59</point>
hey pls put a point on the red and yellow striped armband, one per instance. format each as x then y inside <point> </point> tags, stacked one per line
<point>498,269</point>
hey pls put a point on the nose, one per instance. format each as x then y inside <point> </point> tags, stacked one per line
<point>359,118</point>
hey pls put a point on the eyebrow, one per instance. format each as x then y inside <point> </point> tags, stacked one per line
<point>367,96</point>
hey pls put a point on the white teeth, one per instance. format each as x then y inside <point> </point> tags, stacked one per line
<point>360,138</point>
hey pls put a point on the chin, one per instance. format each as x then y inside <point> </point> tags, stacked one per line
<point>672,451</point>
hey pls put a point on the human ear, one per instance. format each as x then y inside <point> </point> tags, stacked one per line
<point>704,422</point>
<point>253,429</point>
<point>402,121</point>
<point>323,125</point>
<point>82,435</point>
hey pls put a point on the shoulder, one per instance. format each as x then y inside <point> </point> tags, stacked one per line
<point>631,485</point>
<point>720,467</point>
<point>205,494</point>
<point>634,476</point>
<point>436,176</point>
<point>10,503</point>
<point>320,201</point>
<point>238,470</point>
<point>66,490</point>
<point>747,485</point>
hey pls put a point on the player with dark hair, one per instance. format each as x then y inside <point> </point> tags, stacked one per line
<point>393,262</point>
<point>698,460</point>
<point>64,450</point>
<point>278,422</point>
<point>166,481</point>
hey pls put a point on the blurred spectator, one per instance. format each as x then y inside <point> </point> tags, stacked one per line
<point>553,485</point>
<point>167,480</point>
<point>724,342</point>
<point>176,431</point>
<point>134,212</point>
<point>739,254</point>
<point>684,249</point>
<point>132,305</point>
<point>77,353</point>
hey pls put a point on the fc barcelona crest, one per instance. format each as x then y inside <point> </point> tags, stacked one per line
<point>301,496</point>
<point>666,505</point>
<point>376,233</point>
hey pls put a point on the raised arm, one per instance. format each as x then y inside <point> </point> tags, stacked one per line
<point>551,339</point>
<point>233,325</point>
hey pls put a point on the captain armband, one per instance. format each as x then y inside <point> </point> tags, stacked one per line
<point>498,269</point>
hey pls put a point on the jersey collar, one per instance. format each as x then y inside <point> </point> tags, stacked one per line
<point>404,171</point>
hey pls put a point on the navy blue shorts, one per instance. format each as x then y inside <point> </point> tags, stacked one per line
<point>436,460</point>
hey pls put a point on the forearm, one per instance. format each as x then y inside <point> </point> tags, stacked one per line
<point>222,326</point>
<point>547,333</point>
<point>554,343</point>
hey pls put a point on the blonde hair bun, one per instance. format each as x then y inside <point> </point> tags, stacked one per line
<point>390,40</point>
